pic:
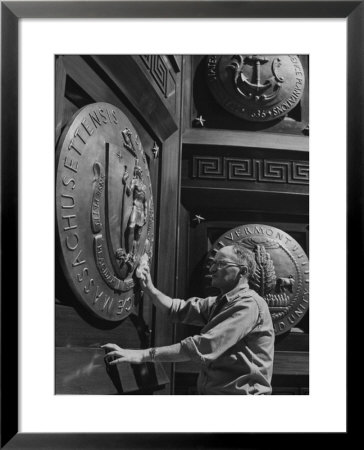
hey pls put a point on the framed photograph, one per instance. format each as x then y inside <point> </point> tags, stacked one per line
<point>143,73</point>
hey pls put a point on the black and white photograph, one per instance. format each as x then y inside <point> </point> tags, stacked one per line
<point>181,200</point>
<point>182,224</point>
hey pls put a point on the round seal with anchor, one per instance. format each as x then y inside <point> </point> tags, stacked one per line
<point>257,88</point>
<point>104,206</point>
<point>281,275</point>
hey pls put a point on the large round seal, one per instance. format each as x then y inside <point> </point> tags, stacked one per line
<point>281,277</point>
<point>104,206</point>
<point>257,88</point>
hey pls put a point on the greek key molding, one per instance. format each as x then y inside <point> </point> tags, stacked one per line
<point>250,169</point>
<point>212,167</point>
<point>241,169</point>
<point>159,71</point>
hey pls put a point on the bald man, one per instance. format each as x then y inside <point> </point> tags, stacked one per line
<point>235,347</point>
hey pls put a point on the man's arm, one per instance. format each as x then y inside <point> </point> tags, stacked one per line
<point>193,311</point>
<point>170,353</point>
<point>160,300</point>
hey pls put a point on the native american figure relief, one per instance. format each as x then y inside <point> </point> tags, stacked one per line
<point>138,215</point>
<point>134,210</point>
<point>127,254</point>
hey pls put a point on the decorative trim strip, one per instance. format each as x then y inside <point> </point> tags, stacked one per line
<point>250,169</point>
<point>158,70</point>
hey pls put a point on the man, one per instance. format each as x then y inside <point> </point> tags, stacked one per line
<point>236,344</point>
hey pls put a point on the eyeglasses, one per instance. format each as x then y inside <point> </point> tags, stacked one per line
<point>222,264</point>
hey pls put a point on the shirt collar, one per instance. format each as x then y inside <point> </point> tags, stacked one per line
<point>235,293</point>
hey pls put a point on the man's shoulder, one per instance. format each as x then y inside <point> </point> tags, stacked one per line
<point>249,296</point>
<point>261,304</point>
<point>245,293</point>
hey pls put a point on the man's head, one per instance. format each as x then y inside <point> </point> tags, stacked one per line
<point>233,264</point>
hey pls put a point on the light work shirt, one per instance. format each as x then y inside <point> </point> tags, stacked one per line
<point>235,347</point>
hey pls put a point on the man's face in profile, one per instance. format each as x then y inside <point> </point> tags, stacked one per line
<point>225,271</point>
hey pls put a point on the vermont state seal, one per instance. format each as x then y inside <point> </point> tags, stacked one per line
<point>282,271</point>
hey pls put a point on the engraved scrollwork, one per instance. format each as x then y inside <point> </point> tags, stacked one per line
<point>96,197</point>
<point>149,241</point>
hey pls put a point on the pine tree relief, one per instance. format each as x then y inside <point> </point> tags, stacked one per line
<point>264,279</point>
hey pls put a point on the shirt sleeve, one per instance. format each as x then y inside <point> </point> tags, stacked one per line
<point>235,323</point>
<point>194,311</point>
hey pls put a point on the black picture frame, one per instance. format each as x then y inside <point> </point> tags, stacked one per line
<point>11,13</point>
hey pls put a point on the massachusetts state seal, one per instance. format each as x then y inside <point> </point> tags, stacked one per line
<point>257,88</point>
<point>105,213</point>
<point>282,271</point>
